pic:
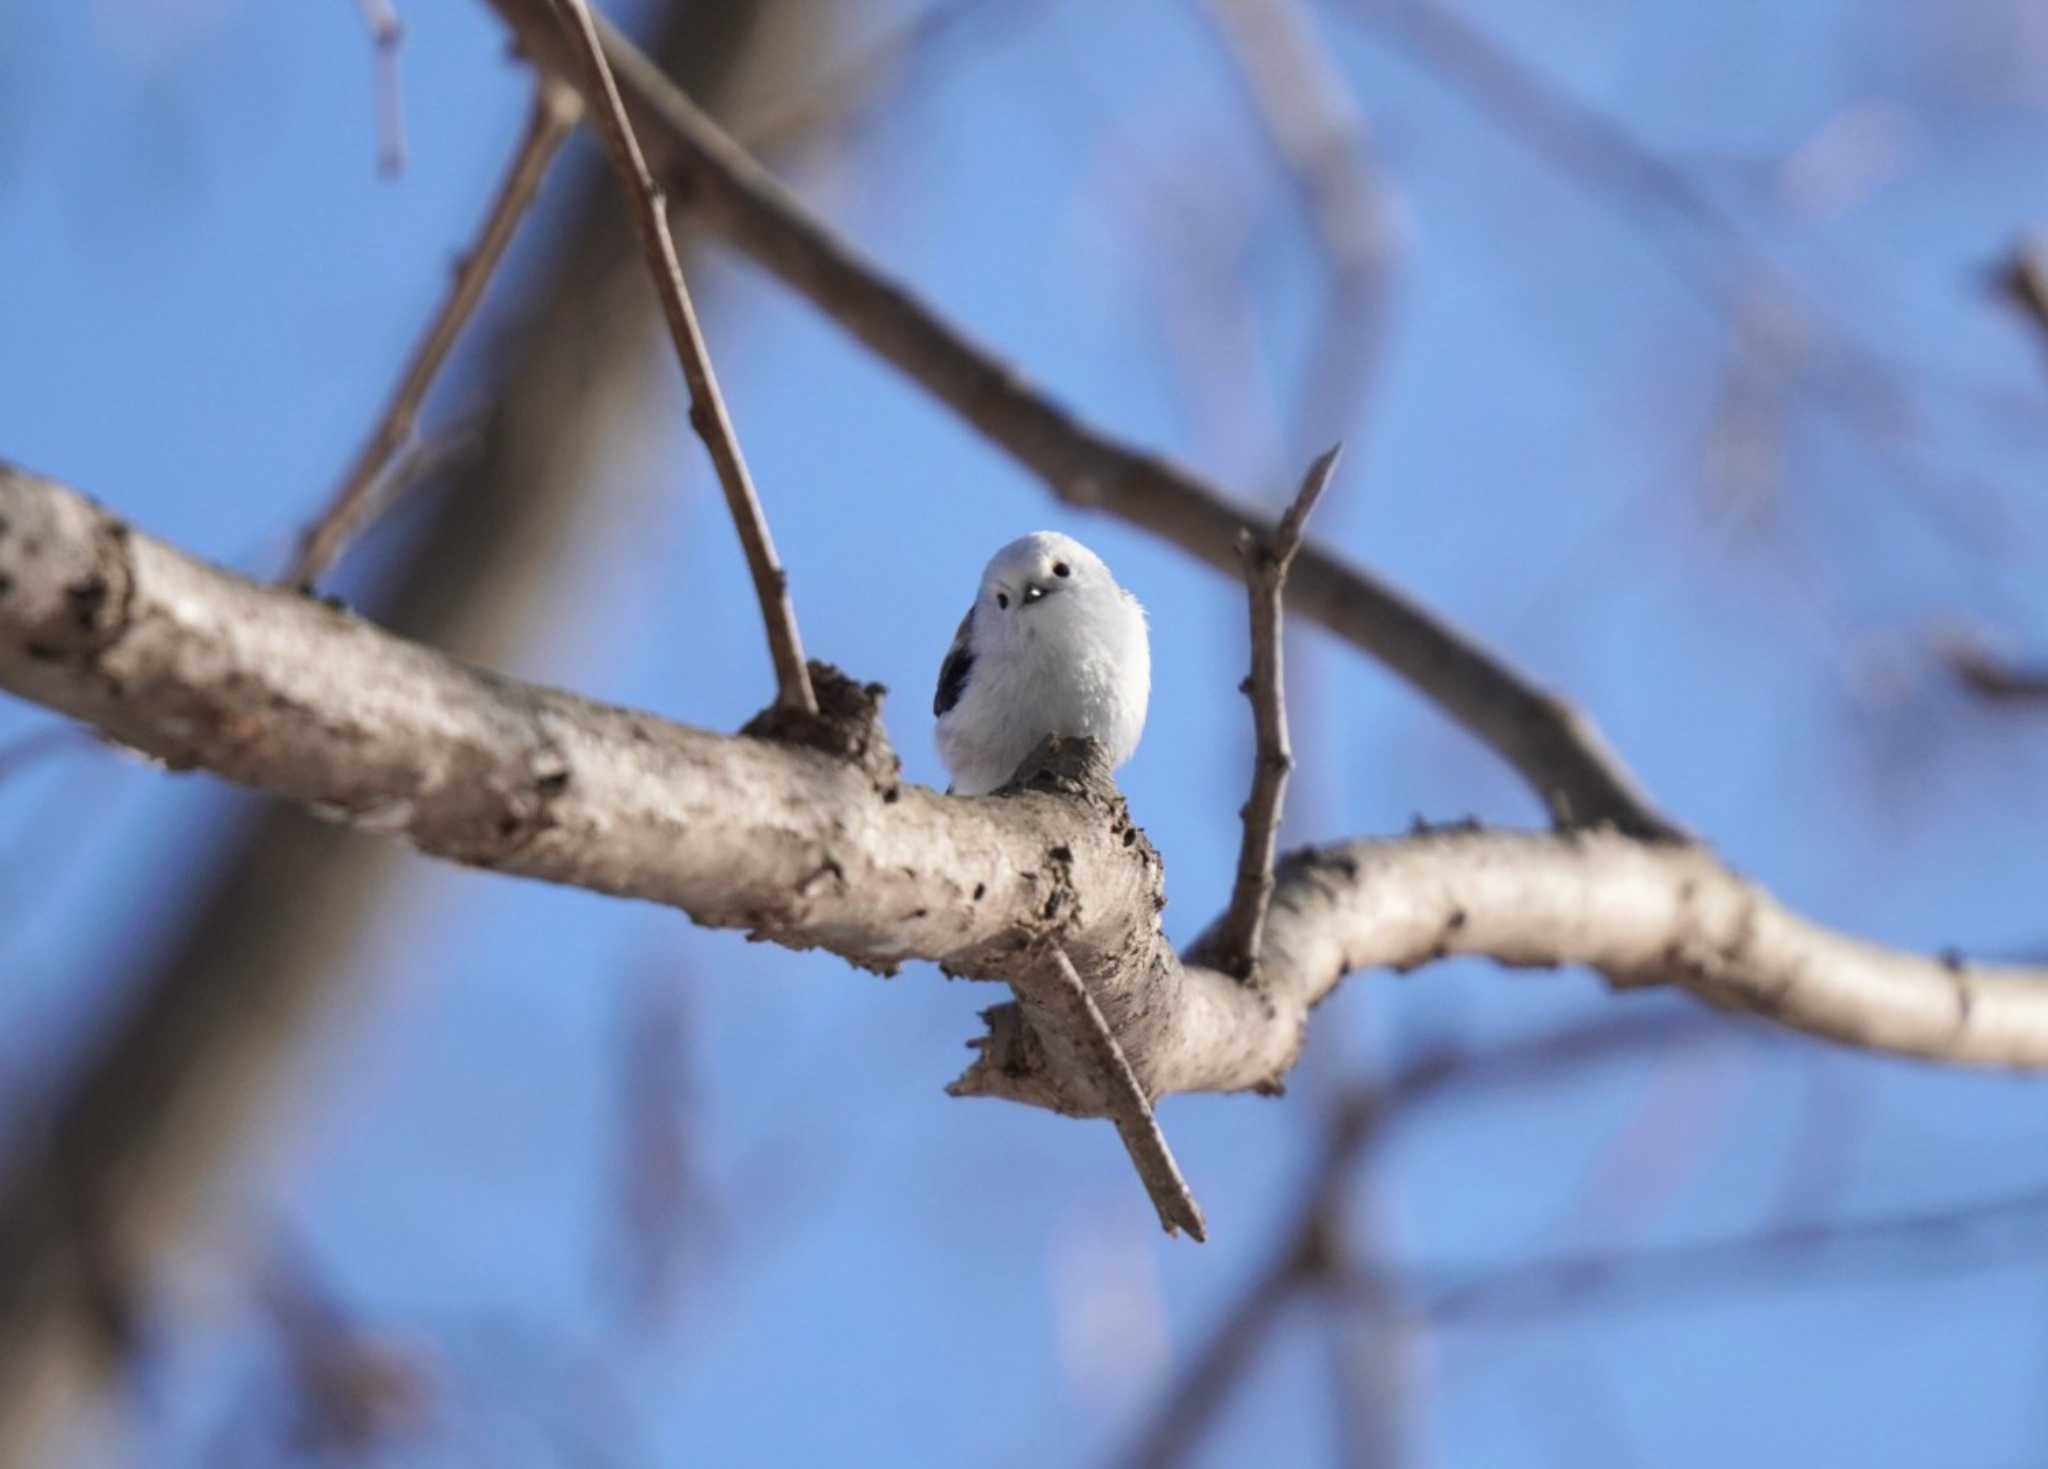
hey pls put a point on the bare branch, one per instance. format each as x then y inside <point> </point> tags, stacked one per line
<point>1124,1099</point>
<point>816,848</point>
<point>707,405</point>
<point>1266,561</point>
<point>1557,750</point>
<point>387,36</point>
<point>356,501</point>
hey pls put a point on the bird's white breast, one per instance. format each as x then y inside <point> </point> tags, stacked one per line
<point>1078,665</point>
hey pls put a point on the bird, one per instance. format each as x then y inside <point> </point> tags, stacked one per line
<point>1052,646</point>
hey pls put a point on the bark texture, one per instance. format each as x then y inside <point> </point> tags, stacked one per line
<point>799,832</point>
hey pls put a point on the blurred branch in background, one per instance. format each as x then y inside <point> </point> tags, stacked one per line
<point>387,38</point>
<point>2021,282</point>
<point>185,1075</point>
<point>664,1203</point>
<point>1984,1234</point>
<point>354,1390</point>
<point>1310,1256</point>
<point>1822,359</point>
<point>1994,679</point>
<point>838,104</point>
<point>1310,1259</point>
<point>1316,127</point>
<point>373,481</point>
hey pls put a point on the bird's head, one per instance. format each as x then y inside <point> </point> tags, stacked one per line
<point>1037,574</point>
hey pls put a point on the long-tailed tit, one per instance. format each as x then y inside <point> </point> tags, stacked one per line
<point>1051,646</point>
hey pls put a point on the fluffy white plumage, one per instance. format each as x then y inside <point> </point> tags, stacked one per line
<point>1052,645</point>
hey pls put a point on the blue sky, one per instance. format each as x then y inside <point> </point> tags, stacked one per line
<point>213,287</point>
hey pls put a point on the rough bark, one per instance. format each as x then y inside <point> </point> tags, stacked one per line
<point>800,833</point>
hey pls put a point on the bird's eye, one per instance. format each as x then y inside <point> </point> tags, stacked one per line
<point>1060,568</point>
<point>1002,599</point>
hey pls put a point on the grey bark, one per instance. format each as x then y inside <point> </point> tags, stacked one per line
<point>799,832</point>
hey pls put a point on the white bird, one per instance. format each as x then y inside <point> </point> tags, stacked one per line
<point>1051,646</point>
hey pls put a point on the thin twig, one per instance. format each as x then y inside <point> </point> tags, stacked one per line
<point>556,107</point>
<point>387,35</point>
<point>707,406</point>
<point>1266,560</point>
<point>1129,1107</point>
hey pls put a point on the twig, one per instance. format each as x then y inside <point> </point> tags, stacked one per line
<point>1129,1107</point>
<point>707,406</point>
<point>1580,780</point>
<point>387,35</point>
<point>556,107</point>
<point>1266,562</point>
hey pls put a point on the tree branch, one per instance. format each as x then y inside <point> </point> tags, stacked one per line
<point>1266,560</point>
<point>1076,1012</point>
<point>812,847</point>
<point>1555,747</point>
<point>556,107</point>
<point>707,405</point>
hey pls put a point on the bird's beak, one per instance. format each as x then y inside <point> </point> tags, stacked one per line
<point>1032,592</point>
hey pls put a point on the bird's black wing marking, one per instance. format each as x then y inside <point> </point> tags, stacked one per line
<point>953,672</point>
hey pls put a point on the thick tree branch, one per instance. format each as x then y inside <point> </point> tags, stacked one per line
<point>1558,752</point>
<point>707,404</point>
<point>1266,560</point>
<point>822,848</point>
<point>556,107</point>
